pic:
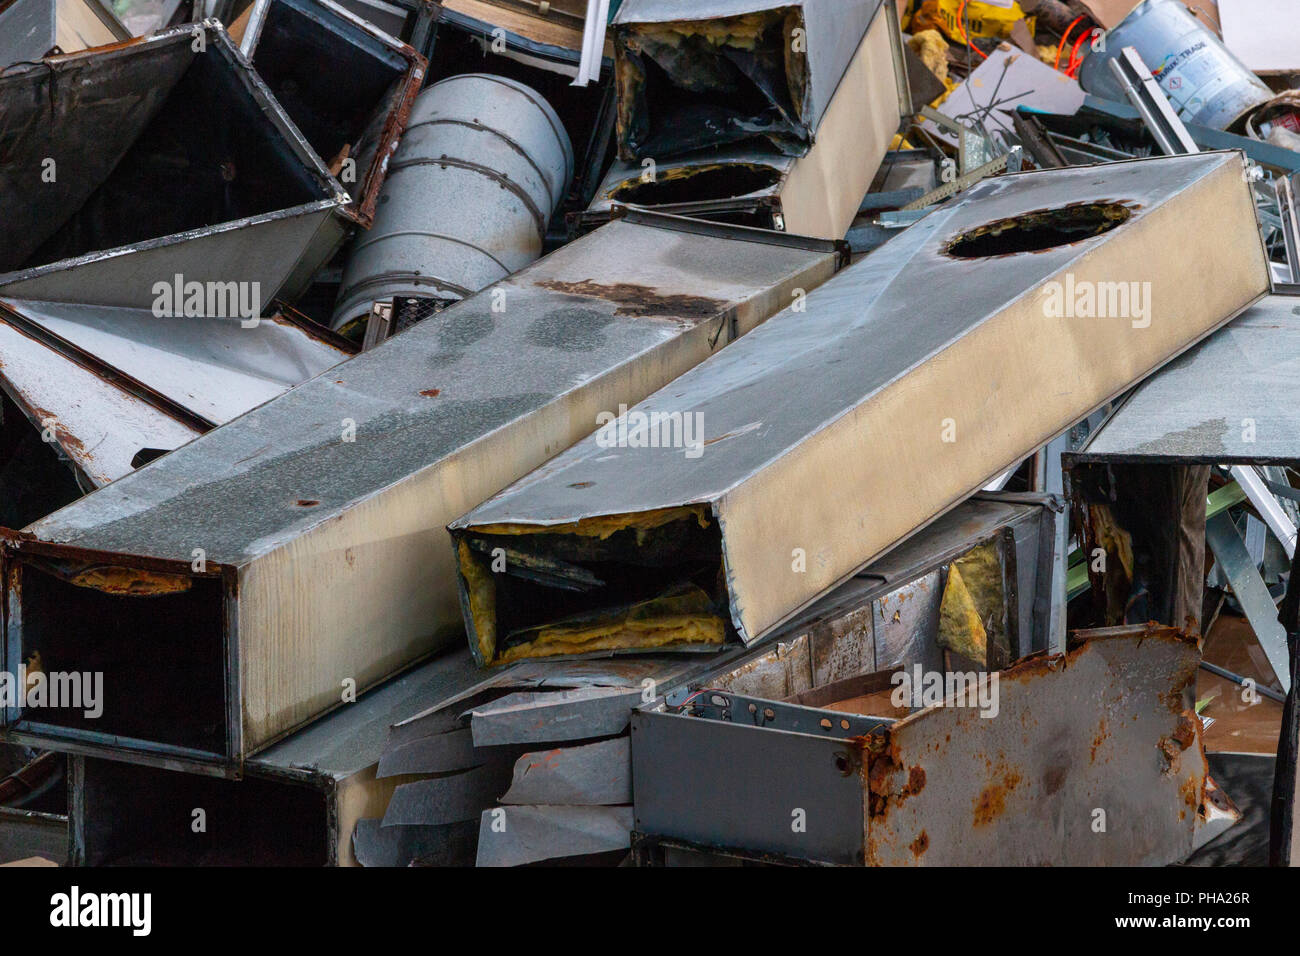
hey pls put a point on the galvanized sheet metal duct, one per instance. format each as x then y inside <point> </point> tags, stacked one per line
<point>714,72</point>
<point>483,165</point>
<point>321,514</point>
<point>360,102</point>
<point>816,194</point>
<point>845,424</point>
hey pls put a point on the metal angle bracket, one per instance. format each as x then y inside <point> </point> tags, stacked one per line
<point>1148,99</point>
<point>1251,593</point>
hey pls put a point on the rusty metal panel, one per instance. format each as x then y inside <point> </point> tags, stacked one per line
<point>321,514</point>
<point>1101,728</point>
<point>1085,758</point>
<point>117,216</point>
<point>791,489</point>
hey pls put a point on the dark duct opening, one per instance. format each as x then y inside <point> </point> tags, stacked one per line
<point>143,816</point>
<point>692,85</point>
<point>162,656</point>
<point>336,87</point>
<point>1036,231</point>
<point>585,581</point>
<point>208,154</point>
<point>698,184</point>
<point>34,480</point>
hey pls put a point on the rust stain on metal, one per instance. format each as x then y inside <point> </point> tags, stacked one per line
<point>1097,741</point>
<point>641,301</point>
<point>920,844</point>
<point>992,801</point>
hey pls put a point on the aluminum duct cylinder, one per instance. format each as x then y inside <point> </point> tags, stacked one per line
<point>483,165</point>
<point>1205,83</point>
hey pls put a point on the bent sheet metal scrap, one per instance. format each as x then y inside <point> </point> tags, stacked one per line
<point>1100,727</point>
<point>863,412</point>
<point>319,517</point>
<point>113,388</point>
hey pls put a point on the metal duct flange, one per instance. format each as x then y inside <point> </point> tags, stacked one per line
<point>483,165</point>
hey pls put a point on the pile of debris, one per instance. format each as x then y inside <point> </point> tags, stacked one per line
<point>645,432</point>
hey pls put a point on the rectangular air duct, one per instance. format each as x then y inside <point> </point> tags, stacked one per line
<point>303,545</point>
<point>753,183</point>
<point>354,111</point>
<point>715,72</point>
<point>862,412</point>
<point>157,157</point>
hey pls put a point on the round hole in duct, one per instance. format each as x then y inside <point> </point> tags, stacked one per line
<point>694,184</point>
<point>1039,230</point>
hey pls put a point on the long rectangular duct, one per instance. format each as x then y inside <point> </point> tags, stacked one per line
<point>716,72</point>
<point>300,550</point>
<point>863,411</point>
<point>352,113</point>
<point>816,194</point>
<point>157,157</point>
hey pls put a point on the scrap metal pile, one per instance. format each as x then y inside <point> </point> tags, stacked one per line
<point>654,432</point>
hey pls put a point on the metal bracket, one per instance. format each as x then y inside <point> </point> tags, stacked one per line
<point>1148,99</point>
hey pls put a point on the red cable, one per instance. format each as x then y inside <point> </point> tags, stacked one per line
<point>966,36</point>
<point>1065,36</point>
<point>1075,64</point>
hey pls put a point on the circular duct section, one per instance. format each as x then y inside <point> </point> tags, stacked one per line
<point>484,163</point>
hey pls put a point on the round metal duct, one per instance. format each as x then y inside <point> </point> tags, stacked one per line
<point>482,166</point>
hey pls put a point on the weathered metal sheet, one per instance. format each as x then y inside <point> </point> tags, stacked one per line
<point>321,513</point>
<point>214,368</point>
<point>1091,758</point>
<point>1233,398</point>
<point>730,70</point>
<point>451,845</point>
<point>451,798</point>
<point>788,494</point>
<point>116,216</point>
<point>513,836</point>
<point>361,118</point>
<point>732,783</point>
<point>97,426</point>
<point>28,31</point>
<point>1107,731</point>
<point>598,774</point>
<point>553,716</point>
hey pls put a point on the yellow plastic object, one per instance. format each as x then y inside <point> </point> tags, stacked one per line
<point>982,18</point>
